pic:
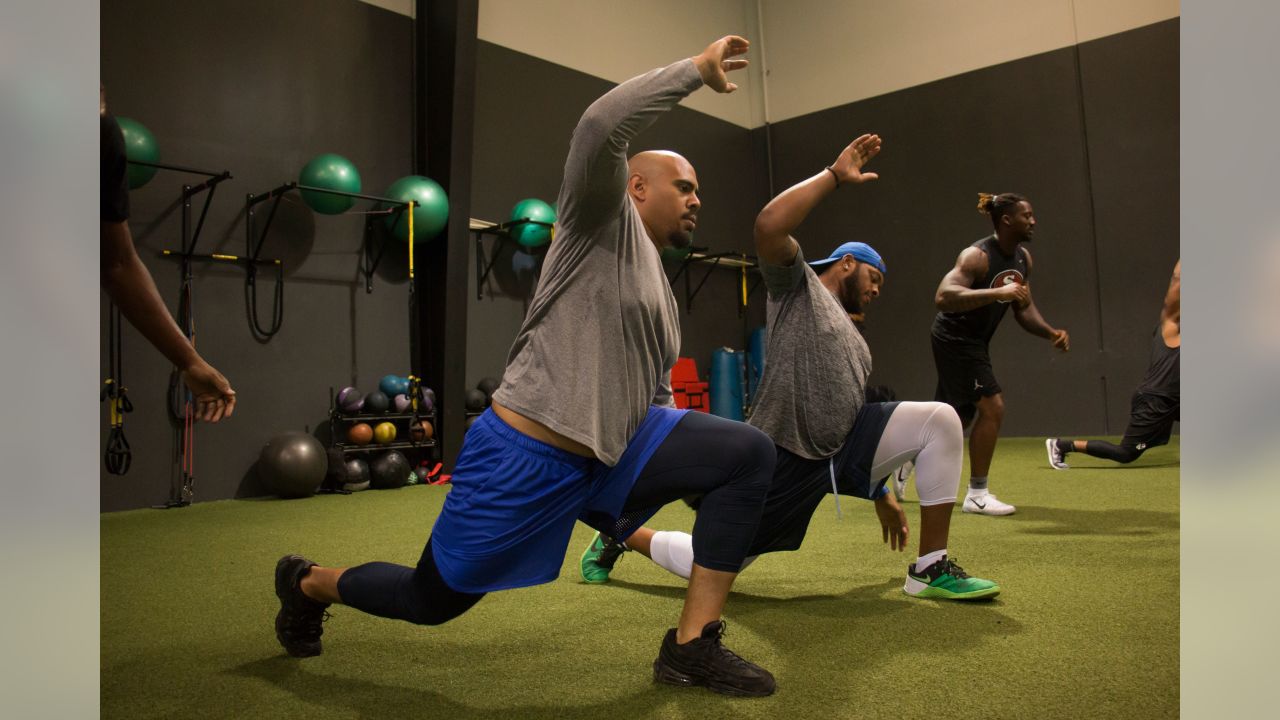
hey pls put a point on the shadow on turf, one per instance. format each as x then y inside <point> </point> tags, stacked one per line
<point>827,623</point>
<point>1120,466</point>
<point>374,700</point>
<point>1094,522</point>
<point>852,629</point>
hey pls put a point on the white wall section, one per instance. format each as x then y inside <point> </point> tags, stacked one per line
<point>825,54</point>
<point>617,40</point>
<point>821,53</point>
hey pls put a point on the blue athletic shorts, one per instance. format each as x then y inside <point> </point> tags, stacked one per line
<point>507,520</point>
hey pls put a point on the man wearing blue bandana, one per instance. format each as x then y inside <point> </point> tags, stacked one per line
<point>812,403</point>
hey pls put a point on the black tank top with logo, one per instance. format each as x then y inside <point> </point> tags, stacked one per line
<point>979,324</point>
<point>1163,371</point>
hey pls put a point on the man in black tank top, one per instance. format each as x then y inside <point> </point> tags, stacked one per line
<point>1156,404</point>
<point>972,299</point>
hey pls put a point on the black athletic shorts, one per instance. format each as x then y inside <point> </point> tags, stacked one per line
<point>1151,419</point>
<point>799,484</point>
<point>964,375</point>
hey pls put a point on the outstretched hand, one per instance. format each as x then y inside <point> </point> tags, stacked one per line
<point>719,58</point>
<point>848,167</point>
<point>213,395</point>
<point>893,522</point>
<point>1061,340</point>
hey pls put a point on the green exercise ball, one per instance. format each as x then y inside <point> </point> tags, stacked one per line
<point>140,145</point>
<point>430,208</point>
<point>528,234</point>
<point>331,172</point>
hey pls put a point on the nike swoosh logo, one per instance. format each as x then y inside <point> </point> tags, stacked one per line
<point>981,506</point>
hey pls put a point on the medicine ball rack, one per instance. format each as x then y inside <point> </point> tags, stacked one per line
<point>500,231</point>
<point>340,422</point>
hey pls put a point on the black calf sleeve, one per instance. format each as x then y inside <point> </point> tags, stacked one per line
<point>1119,453</point>
<point>418,595</point>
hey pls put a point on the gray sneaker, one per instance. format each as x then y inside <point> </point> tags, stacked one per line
<point>1057,459</point>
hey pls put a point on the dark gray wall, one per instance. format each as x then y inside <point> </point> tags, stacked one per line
<point>259,88</point>
<point>526,109</point>
<point>1090,135</point>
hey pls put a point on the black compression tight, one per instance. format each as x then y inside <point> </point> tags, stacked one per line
<point>1119,453</point>
<point>729,463</point>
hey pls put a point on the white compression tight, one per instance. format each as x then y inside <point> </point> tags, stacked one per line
<point>927,432</point>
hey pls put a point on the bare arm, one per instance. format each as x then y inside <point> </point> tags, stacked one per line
<point>129,285</point>
<point>783,214</point>
<point>893,522</point>
<point>1171,314</point>
<point>956,292</point>
<point>1028,316</point>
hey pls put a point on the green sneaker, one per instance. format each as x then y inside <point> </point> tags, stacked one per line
<point>946,580</point>
<point>599,558</point>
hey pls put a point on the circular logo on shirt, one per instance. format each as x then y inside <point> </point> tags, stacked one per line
<point>1006,277</point>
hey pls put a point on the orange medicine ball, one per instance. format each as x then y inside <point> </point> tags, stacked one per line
<point>360,434</point>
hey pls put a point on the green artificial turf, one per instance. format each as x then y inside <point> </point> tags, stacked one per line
<point>1087,625</point>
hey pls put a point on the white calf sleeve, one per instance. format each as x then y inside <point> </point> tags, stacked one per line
<point>673,551</point>
<point>930,434</point>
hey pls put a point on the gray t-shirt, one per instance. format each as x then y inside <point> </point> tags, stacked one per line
<point>603,330</point>
<point>816,365</point>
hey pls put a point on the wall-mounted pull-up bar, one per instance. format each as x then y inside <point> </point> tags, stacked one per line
<point>180,401</point>
<point>253,246</point>
<point>502,232</point>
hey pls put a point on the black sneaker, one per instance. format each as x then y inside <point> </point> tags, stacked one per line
<point>299,622</point>
<point>705,661</point>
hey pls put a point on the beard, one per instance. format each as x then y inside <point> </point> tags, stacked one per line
<point>852,296</point>
<point>679,239</point>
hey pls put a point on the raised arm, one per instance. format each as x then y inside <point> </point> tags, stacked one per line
<point>957,294</point>
<point>1028,316</point>
<point>595,173</point>
<point>783,214</point>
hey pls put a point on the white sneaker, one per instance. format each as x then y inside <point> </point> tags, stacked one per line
<point>1056,460</point>
<point>984,503</point>
<point>900,477</point>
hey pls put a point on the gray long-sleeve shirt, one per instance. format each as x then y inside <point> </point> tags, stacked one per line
<point>603,331</point>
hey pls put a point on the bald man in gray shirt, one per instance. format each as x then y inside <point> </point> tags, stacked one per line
<point>582,426</point>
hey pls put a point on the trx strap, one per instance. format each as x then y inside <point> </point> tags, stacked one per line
<point>117,457</point>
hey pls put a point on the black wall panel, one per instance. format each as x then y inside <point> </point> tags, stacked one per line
<point>258,89</point>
